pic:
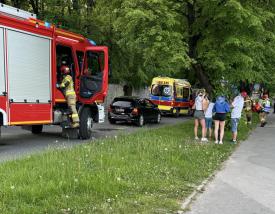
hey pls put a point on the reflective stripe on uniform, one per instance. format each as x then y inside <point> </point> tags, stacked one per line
<point>74,115</point>
<point>70,93</point>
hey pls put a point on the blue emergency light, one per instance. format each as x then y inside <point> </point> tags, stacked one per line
<point>92,42</point>
<point>47,24</point>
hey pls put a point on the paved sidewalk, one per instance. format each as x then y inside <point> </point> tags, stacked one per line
<point>246,185</point>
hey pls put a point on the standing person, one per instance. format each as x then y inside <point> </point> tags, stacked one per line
<point>236,114</point>
<point>67,86</point>
<point>209,118</point>
<point>248,109</point>
<point>199,116</point>
<point>221,108</point>
<point>265,109</point>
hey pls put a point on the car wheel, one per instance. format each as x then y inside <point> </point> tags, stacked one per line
<point>158,118</point>
<point>140,122</point>
<point>36,129</point>
<point>86,124</point>
<point>112,121</point>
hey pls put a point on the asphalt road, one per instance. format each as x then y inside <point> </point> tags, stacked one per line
<point>16,142</point>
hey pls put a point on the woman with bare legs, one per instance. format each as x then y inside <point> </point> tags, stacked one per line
<point>221,108</point>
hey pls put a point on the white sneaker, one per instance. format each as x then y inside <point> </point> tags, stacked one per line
<point>216,142</point>
<point>220,142</point>
<point>204,140</point>
<point>196,138</point>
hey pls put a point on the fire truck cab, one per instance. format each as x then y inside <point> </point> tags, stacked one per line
<point>31,55</point>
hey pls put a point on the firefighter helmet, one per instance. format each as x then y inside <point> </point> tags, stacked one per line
<point>65,69</point>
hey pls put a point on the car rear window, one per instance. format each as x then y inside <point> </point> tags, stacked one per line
<point>122,103</point>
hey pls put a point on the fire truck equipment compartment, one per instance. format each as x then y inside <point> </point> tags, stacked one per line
<point>29,65</point>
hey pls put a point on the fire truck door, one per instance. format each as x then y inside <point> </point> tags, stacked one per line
<point>94,71</point>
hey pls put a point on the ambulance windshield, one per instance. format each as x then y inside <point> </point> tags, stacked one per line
<point>161,90</point>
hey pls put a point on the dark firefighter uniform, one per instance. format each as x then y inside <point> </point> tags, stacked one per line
<point>67,85</point>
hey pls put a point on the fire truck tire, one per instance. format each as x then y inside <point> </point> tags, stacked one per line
<point>36,129</point>
<point>111,121</point>
<point>86,124</point>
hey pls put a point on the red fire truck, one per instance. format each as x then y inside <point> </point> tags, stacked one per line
<point>31,54</point>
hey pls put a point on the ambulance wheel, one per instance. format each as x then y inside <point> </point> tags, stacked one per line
<point>86,124</point>
<point>190,112</point>
<point>36,129</point>
<point>176,112</point>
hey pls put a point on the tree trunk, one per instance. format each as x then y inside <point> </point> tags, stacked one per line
<point>204,80</point>
<point>90,6</point>
<point>16,3</point>
<point>192,52</point>
<point>34,4</point>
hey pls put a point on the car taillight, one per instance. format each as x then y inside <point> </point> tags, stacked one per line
<point>135,111</point>
<point>110,109</point>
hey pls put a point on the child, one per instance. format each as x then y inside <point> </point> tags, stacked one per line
<point>208,119</point>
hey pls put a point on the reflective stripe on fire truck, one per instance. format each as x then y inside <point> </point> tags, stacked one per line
<point>30,122</point>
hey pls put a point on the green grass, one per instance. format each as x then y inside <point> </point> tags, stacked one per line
<point>150,171</point>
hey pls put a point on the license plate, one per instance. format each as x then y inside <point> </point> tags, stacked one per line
<point>119,110</point>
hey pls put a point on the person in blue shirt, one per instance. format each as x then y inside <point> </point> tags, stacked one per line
<point>221,108</point>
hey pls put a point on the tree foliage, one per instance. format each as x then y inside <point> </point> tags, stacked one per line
<point>206,41</point>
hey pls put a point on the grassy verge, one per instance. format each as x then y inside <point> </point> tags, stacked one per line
<point>146,172</point>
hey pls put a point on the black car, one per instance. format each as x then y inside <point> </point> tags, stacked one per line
<point>133,109</point>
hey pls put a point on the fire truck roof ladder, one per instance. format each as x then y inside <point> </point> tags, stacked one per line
<point>15,12</point>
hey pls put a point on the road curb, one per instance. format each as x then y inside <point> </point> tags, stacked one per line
<point>185,205</point>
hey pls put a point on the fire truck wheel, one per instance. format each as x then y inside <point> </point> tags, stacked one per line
<point>111,121</point>
<point>86,124</point>
<point>37,129</point>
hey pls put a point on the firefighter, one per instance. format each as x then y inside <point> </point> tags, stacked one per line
<point>67,86</point>
<point>248,110</point>
<point>265,109</point>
